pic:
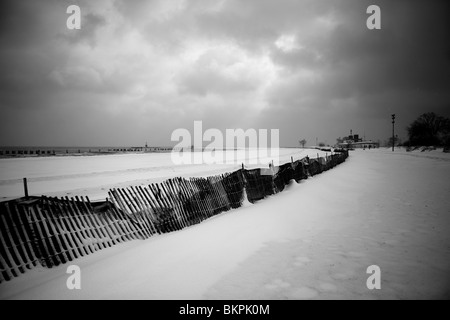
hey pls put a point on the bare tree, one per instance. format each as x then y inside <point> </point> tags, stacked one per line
<point>429,129</point>
<point>302,143</point>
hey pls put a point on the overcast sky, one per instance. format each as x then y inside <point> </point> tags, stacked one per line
<point>138,70</point>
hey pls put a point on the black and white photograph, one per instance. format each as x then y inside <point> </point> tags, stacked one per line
<point>245,152</point>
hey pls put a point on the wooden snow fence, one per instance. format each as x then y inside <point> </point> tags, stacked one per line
<point>52,231</point>
<point>178,203</point>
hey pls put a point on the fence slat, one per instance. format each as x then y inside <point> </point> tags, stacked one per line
<point>87,217</point>
<point>9,254</point>
<point>142,213</point>
<point>66,219</point>
<point>104,227</point>
<point>175,222</point>
<point>206,201</point>
<point>83,238</point>
<point>23,236</point>
<point>154,212</point>
<point>71,247</point>
<point>171,209</point>
<point>129,217</point>
<point>45,252</point>
<point>149,208</point>
<point>83,228</point>
<point>222,199</point>
<point>146,209</point>
<point>144,232</point>
<point>191,209</point>
<point>122,222</point>
<point>163,209</point>
<point>196,195</point>
<point>112,227</point>
<point>62,255</point>
<point>96,227</point>
<point>149,200</point>
<point>4,268</point>
<point>177,198</point>
<point>125,224</point>
<point>15,254</point>
<point>121,215</point>
<point>55,254</point>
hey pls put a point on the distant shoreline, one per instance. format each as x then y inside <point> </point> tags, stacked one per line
<point>33,152</point>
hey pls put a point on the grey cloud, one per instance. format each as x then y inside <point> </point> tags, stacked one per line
<point>90,23</point>
<point>341,75</point>
<point>209,82</point>
<point>297,58</point>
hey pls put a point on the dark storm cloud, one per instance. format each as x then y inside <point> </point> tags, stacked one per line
<point>386,71</point>
<point>208,75</point>
<point>256,23</point>
<point>203,82</point>
<point>26,58</point>
<point>310,68</point>
<point>406,59</point>
<point>91,22</point>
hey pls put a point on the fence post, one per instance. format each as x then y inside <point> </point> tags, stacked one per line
<point>25,187</point>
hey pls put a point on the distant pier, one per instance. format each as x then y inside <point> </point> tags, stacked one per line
<point>11,152</point>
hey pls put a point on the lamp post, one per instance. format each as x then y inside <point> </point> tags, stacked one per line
<point>393,136</point>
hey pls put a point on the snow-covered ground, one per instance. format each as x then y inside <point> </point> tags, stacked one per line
<point>314,240</point>
<point>93,176</point>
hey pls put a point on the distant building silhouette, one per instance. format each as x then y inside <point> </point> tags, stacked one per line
<point>354,141</point>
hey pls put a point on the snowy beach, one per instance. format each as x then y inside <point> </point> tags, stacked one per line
<point>314,240</point>
<point>93,176</point>
<point>224,150</point>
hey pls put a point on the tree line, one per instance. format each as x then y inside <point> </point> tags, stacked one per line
<point>429,129</point>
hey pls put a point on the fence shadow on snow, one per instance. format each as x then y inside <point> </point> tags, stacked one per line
<point>52,231</point>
